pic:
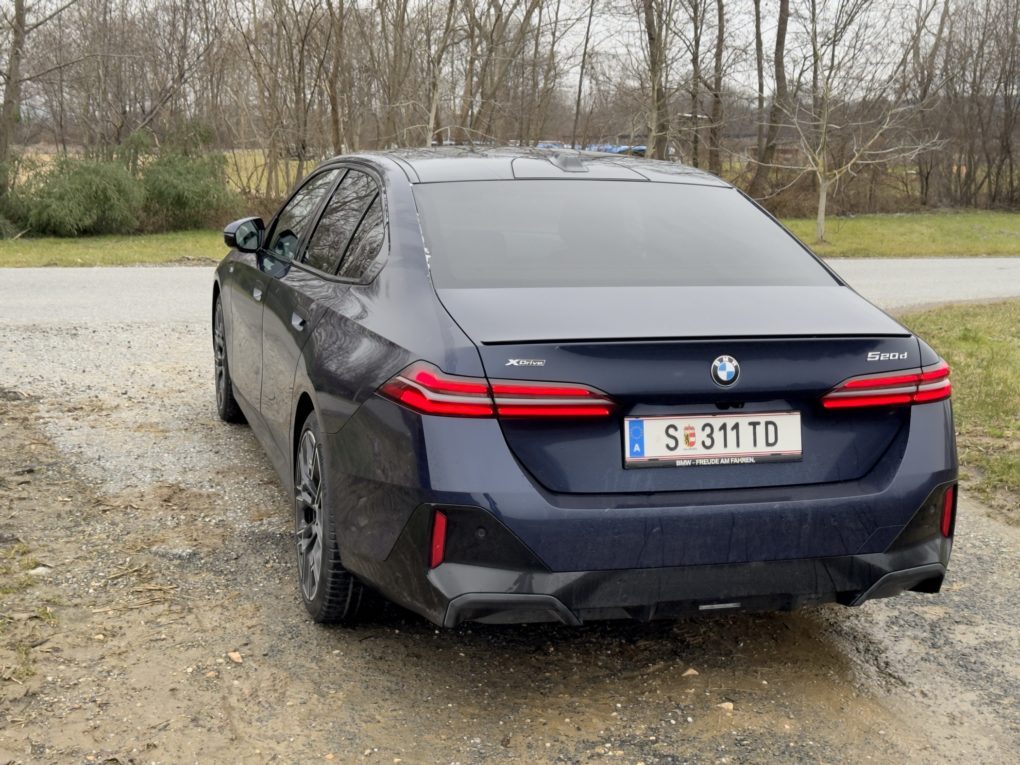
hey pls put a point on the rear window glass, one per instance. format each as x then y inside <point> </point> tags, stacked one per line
<point>603,234</point>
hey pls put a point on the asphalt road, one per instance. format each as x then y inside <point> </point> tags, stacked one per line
<point>156,295</point>
<point>897,284</point>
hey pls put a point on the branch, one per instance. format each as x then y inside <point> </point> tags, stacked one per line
<point>57,67</point>
<point>32,27</point>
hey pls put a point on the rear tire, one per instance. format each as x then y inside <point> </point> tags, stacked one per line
<point>330,592</point>
<point>226,405</point>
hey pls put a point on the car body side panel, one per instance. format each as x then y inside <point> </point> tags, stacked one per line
<point>363,334</point>
<point>226,278</point>
<point>356,335</point>
<point>247,286</point>
<point>294,304</point>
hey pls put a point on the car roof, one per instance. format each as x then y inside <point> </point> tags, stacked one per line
<point>474,163</point>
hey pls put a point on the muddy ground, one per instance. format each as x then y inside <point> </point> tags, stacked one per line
<point>149,613</point>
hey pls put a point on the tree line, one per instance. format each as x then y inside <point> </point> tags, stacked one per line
<point>809,105</point>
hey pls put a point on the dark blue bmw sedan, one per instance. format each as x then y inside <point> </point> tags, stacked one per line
<point>516,386</point>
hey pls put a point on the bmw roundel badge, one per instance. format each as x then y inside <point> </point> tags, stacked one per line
<point>725,370</point>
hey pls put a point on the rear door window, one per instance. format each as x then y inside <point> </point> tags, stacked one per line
<point>339,220</point>
<point>365,244</point>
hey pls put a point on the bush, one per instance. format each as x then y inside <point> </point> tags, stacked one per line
<point>8,229</point>
<point>78,196</point>
<point>187,192</point>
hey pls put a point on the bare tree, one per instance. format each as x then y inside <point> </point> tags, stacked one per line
<point>839,96</point>
<point>657,15</point>
<point>580,76</point>
<point>14,76</point>
<point>779,105</point>
<point>857,110</point>
<point>436,49</point>
<point>715,129</point>
<point>759,70</point>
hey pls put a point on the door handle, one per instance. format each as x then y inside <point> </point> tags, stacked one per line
<point>256,292</point>
<point>297,321</point>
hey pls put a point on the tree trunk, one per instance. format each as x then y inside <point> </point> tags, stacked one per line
<point>436,71</point>
<point>715,129</point>
<point>696,22</point>
<point>580,77</point>
<point>759,66</point>
<point>658,121</point>
<point>768,153</point>
<point>823,193</point>
<point>12,94</point>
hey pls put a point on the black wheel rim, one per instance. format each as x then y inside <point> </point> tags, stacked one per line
<point>220,355</point>
<point>308,512</point>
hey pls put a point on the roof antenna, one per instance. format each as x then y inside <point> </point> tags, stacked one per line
<point>568,163</point>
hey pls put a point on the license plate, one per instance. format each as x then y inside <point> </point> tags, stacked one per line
<point>711,439</point>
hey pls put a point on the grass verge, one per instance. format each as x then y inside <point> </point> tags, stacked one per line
<point>982,345</point>
<point>964,233</point>
<point>968,233</point>
<point>175,247</point>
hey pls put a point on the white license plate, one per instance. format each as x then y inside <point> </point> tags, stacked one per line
<point>712,439</point>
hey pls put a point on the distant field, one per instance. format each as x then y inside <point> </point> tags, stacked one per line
<point>980,343</point>
<point>175,247</point>
<point>971,233</point>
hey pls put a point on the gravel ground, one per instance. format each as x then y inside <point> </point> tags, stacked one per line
<point>157,541</point>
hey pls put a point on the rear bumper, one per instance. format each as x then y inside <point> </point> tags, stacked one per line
<point>498,580</point>
<point>390,461</point>
<point>474,593</point>
<point>571,558</point>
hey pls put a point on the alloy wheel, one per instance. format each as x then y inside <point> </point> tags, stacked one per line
<point>220,355</point>
<point>308,514</point>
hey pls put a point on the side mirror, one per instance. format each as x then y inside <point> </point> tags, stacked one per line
<point>245,234</point>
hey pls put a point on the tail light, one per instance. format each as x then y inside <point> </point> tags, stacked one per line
<point>892,389</point>
<point>948,511</point>
<point>437,548</point>
<point>427,389</point>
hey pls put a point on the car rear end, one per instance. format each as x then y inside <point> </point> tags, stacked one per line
<point>684,411</point>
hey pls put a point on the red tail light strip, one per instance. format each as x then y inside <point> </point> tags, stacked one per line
<point>427,389</point>
<point>901,388</point>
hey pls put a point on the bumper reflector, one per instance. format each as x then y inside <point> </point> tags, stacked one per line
<point>948,511</point>
<point>437,549</point>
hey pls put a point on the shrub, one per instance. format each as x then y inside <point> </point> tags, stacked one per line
<point>8,229</point>
<point>187,192</point>
<point>79,196</point>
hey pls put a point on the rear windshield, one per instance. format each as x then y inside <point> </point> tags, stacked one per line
<point>602,234</point>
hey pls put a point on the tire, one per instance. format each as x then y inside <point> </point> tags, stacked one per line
<point>226,405</point>
<point>330,592</point>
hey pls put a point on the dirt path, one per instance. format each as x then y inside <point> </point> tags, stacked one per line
<point>159,542</point>
<point>120,650</point>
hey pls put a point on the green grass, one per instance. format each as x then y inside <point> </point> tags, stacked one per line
<point>982,345</point>
<point>175,247</point>
<point>969,233</point>
<point>965,233</point>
